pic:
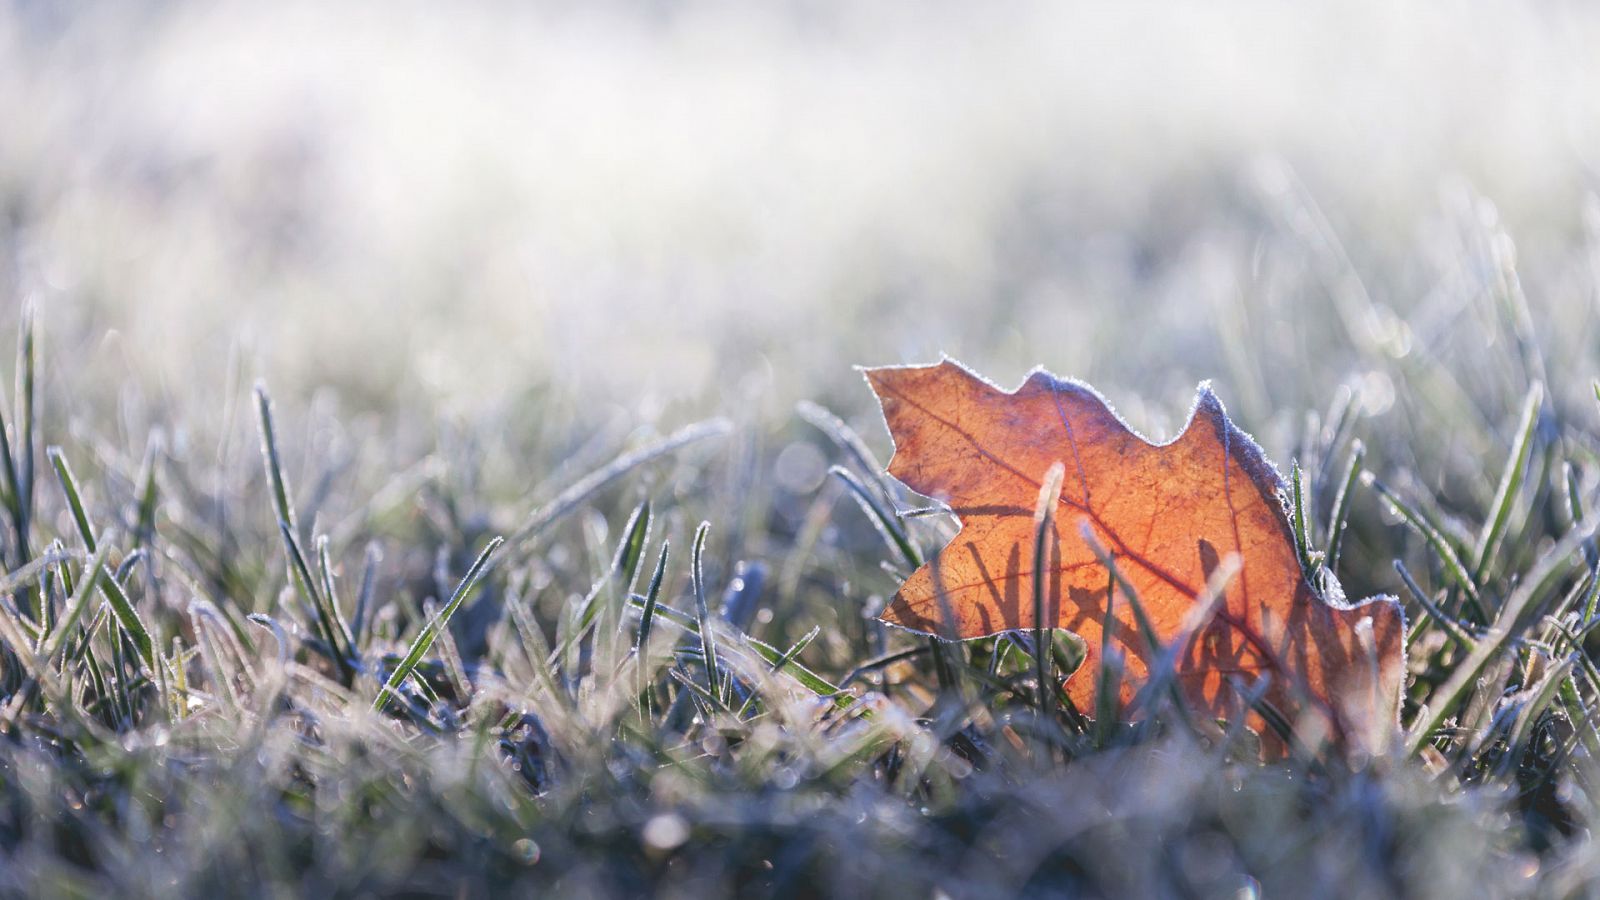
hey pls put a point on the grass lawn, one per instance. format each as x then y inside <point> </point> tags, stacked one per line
<point>410,487</point>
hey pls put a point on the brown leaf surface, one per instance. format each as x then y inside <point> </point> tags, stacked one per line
<point>1170,514</point>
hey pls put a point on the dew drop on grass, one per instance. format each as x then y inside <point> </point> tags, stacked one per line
<point>527,852</point>
<point>665,831</point>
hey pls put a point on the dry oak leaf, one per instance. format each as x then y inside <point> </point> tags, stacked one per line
<point>1168,517</point>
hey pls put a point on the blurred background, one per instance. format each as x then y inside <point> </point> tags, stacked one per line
<point>520,216</point>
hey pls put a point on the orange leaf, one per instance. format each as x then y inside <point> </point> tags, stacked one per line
<point>1206,508</point>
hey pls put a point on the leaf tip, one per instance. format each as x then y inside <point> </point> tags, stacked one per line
<point>1208,403</point>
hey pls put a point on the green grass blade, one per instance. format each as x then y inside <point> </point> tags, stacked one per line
<point>1442,703</point>
<point>708,635</point>
<point>306,584</point>
<point>1108,684</point>
<point>145,528</point>
<point>623,563</point>
<point>1451,626</point>
<point>272,461</point>
<point>630,553</point>
<point>1436,541</point>
<point>1339,519</point>
<point>811,680</point>
<point>1592,598</point>
<point>843,436</point>
<point>1044,521</point>
<point>1574,499</point>
<point>27,410</point>
<point>329,623</point>
<point>364,597</point>
<point>652,599</point>
<point>1510,482</point>
<point>69,487</point>
<point>128,618</point>
<point>330,595</point>
<point>788,657</point>
<point>13,493</point>
<point>78,602</point>
<point>798,648</point>
<point>888,526</point>
<point>1301,523</point>
<point>34,570</point>
<point>425,637</point>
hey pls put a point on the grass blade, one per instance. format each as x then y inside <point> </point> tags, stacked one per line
<point>1044,521</point>
<point>27,412</point>
<point>13,493</point>
<point>330,596</point>
<point>631,551</point>
<point>888,526</point>
<point>322,620</point>
<point>1436,541</point>
<point>1108,687</point>
<point>145,527</point>
<point>369,585</point>
<point>708,635</point>
<point>1444,699</point>
<point>572,497</point>
<point>811,680</point>
<point>1301,523</point>
<point>329,622</point>
<point>1510,482</point>
<point>69,487</point>
<point>1451,626</point>
<point>123,608</point>
<point>77,604</point>
<point>272,461</point>
<point>128,618</point>
<point>425,637</point>
<point>651,599</point>
<point>1339,518</point>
